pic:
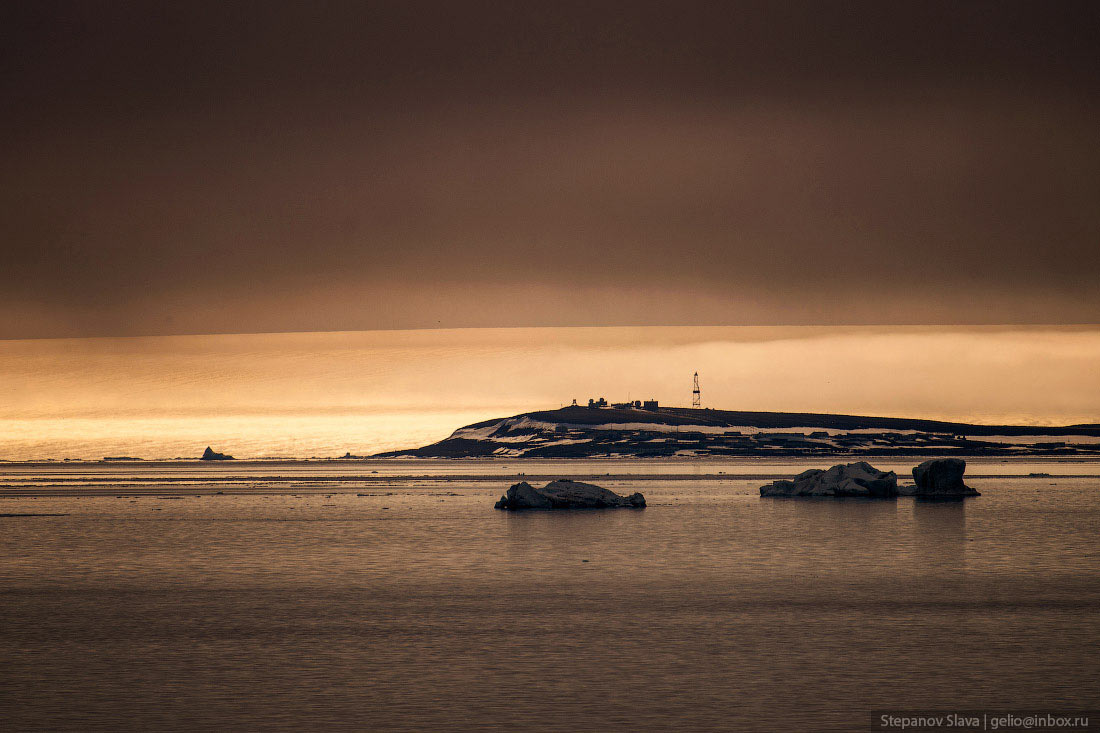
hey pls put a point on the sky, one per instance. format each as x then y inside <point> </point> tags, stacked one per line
<point>211,167</point>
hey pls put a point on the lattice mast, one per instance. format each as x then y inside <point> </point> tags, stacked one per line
<point>696,400</point>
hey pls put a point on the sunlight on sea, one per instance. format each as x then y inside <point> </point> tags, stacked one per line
<point>327,394</point>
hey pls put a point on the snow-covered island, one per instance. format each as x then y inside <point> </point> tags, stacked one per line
<point>586,432</point>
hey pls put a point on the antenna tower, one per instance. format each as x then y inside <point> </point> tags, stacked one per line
<point>696,401</point>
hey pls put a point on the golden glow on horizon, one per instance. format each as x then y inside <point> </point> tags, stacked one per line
<point>327,393</point>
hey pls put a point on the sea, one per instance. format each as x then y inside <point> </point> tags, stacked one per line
<point>391,596</point>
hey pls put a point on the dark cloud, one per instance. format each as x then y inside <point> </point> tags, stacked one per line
<point>213,167</point>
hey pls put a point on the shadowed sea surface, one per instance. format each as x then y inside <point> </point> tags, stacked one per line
<point>413,605</point>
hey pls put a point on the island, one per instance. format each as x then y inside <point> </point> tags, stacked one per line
<point>669,432</point>
<point>212,455</point>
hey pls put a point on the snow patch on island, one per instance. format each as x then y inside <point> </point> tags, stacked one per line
<point>530,430</point>
<point>487,432</point>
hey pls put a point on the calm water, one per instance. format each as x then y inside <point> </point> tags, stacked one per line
<point>416,606</point>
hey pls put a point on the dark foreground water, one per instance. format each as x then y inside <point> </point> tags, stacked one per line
<point>418,607</point>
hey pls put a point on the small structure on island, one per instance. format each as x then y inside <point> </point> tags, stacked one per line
<point>696,395</point>
<point>628,405</point>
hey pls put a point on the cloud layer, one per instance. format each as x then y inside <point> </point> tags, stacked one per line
<point>395,165</point>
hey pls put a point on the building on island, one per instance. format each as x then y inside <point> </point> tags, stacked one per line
<point>632,405</point>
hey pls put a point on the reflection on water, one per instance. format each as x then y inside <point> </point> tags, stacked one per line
<point>420,607</point>
<point>939,531</point>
